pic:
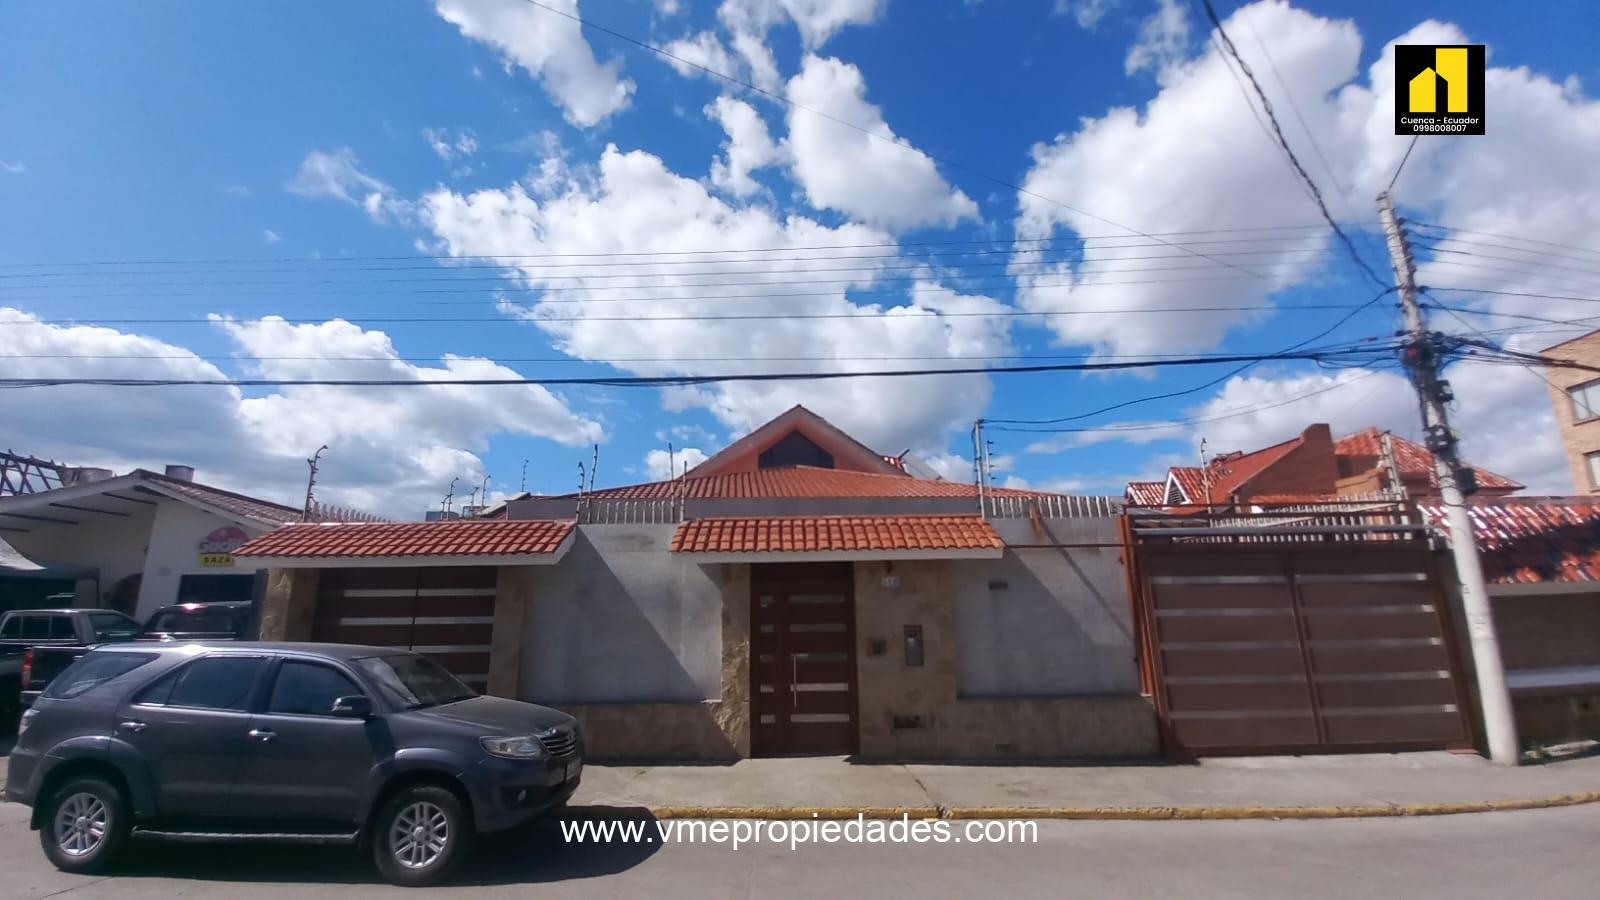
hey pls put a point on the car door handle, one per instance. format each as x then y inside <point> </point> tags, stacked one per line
<point>133,725</point>
<point>262,735</point>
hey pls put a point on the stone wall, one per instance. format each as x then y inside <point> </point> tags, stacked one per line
<point>289,605</point>
<point>916,712</point>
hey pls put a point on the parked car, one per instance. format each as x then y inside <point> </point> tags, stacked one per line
<point>23,629</point>
<point>319,743</point>
<point>228,621</point>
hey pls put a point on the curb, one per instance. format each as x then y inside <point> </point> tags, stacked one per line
<point>1103,813</point>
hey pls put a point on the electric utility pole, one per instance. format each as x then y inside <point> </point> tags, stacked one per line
<point>311,482</point>
<point>1422,357</point>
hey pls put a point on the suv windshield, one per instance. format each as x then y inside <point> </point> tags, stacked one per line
<point>414,682</point>
<point>194,621</point>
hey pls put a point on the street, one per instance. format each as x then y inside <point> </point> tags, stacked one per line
<point>1546,854</point>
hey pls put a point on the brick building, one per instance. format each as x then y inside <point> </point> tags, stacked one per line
<point>1576,395</point>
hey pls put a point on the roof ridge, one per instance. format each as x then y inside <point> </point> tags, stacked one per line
<point>149,473</point>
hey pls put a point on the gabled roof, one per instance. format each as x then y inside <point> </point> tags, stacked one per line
<point>848,452</point>
<point>1147,493</point>
<point>1414,460</point>
<point>1532,540</point>
<point>839,537</point>
<point>120,490</point>
<point>798,482</point>
<point>457,542</point>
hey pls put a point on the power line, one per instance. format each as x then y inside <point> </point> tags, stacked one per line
<point>865,317</point>
<point>1501,245</point>
<point>1277,131</point>
<point>1499,293</point>
<point>1398,169</point>
<point>1507,237</point>
<point>1481,255</point>
<point>644,381</point>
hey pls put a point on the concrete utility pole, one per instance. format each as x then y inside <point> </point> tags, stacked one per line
<point>1422,363</point>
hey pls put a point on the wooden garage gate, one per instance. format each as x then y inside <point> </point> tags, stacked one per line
<point>1336,641</point>
<point>445,613</point>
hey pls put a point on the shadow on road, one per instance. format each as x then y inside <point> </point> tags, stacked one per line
<point>531,854</point>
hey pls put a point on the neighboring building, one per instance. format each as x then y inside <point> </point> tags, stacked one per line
<point>797,592</point>
<point>1576,395</point>
<point>1310,467</point>
<point>132,542</point>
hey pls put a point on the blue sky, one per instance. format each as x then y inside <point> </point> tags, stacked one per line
<point>315,133</point>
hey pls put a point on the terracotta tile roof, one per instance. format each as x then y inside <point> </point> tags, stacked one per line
<point>1413,459</point>
<point>790,534</point>
<point>239,504</point>
<point>1191,480</point>
<point>799,481</point>
<point>1147,493</point>
<point>365,540</point>
<point>1528,540</point>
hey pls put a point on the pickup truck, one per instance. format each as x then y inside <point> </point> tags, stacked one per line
<point>43,660</point>
<point>23,629</point>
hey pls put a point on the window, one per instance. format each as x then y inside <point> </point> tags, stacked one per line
<point>794,450</point>
<point>1594,468</point>
<point>35,627</point>
<point>214,588</point>
<point>308,689</point>
<point>217,682</point>
<point>61,628</point>
<point>110,626</point>
<point>1585,400</point>
<point>12,628</point>
<point>209,620</point>
<point>93,670</point>
<point>413,682</point>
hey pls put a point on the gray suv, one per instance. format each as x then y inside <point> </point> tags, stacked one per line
<point>321,743</point>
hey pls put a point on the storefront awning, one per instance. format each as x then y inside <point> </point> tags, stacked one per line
<point>491,542</point>
<point>835,538</point>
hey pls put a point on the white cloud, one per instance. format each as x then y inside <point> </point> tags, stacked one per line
<point>817,20</point>
<point>704,49</point>
<point>1531,175</point>
<point>13,166</point>
<point>748,148</point>
<point>659,463</point>
<point>758,56</point>
<point>1163,38</point>
<point>1087,13</point>
<point>451,143</point>
<point>270,236</point>
<point>550,48</point>
<point>870,179</point>
<point>337,173</point>
<point>1503,415</point>
<point>637,204</point>
<point>668,7</point>
<point>391,450</point>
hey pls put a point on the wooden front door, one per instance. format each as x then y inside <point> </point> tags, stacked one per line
<point>803,661</point>
<point>444,613</point>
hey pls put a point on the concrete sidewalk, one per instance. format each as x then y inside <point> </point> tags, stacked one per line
<point>1287,787</point>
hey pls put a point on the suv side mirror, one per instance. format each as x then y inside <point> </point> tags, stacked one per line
<point>354,706</point>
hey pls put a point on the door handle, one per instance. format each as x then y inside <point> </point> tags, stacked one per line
<point>262,735</point>
<point>133,725</point>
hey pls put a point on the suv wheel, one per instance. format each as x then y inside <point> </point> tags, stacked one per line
<point>84,825</point>
<point>420,835</point>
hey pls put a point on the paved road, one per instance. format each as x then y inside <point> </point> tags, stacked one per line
<point>1545,854</point>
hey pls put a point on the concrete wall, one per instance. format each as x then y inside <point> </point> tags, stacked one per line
<point>620,619</point>
<point>1548,631</point>
<point>1049,621</point>
<point>919,712</point>
<point>112,544</point>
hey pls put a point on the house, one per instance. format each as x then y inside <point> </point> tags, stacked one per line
<point>1309,467</point>
<point>1575,394</point>
<point>133,542</point>
<point>797,592</point>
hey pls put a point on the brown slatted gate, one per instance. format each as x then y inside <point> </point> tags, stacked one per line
<point>444,613</point>
<point>1299,647</point>
<point>803,665</point>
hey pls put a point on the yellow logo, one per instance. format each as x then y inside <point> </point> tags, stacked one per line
<point>1450,66</point>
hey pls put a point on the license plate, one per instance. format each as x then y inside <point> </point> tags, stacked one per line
<point>574,769</point>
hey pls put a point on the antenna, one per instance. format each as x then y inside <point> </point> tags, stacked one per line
<point>450,495</point>
<point>672,462</point>
<point>594,468</point>
<point>524,488</point>
<point>485,489</point>
<point>311,482</point>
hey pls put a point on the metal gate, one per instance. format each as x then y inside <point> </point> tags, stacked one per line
<point>444,613</point>
<point>803,666</point>
<point>1284,635</point>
